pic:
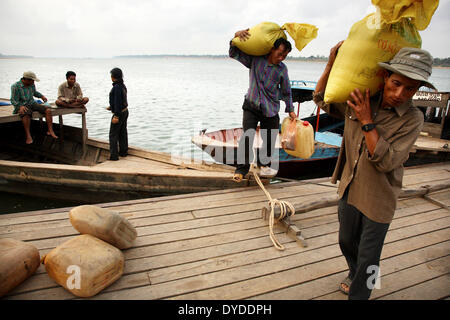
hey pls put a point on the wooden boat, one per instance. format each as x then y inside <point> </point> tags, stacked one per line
<point>76,168</point>
<point>222,145</point>
<point>433,143</point>
<point>431,146</point>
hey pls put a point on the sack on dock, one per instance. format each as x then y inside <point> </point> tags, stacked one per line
<point>262,38</point>
<point>302,33</point>
<point>304,138</point>
<point>103,224</point>
<point>376,38</point>
<point>18,261</point>
<point>84,265</point>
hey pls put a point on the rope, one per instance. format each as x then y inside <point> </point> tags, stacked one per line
<point>285,206</point>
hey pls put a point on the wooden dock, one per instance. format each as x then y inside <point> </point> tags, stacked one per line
<point>214,245</point>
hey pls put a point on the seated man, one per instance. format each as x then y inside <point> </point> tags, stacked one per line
<point>22,93</point>
<point>70,94</point>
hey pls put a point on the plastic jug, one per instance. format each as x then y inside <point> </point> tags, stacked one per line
<point>84,265</point>
<point>304,138</point>
<point>18,261</point>
<point>103,224</point>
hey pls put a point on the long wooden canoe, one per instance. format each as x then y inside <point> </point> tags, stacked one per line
<point>77,168</point>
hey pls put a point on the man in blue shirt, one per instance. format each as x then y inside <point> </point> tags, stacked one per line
<point>269,83</point>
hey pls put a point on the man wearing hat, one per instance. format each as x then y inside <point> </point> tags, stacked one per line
<point>378,135</point>
<point>22,93</point>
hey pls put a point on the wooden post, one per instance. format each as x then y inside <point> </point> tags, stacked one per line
<point>61,133</point>
<point>85,133</point>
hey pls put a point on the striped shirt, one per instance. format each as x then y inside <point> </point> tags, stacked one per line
<point>268,83</point>
<point>22,95</point>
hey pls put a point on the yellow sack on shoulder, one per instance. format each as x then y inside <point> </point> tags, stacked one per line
<point>262,38</point>
<point>377,38</point>
<point>369,42</point>
<point>303,134</point>
<point>302,33</point>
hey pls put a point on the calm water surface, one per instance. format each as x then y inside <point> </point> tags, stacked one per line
<point>170,99</point>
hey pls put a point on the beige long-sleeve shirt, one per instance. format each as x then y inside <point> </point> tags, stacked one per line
<point>375,181</point>
<point>65,93</point>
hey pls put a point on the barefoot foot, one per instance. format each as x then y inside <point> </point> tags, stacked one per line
<point>52,134</point>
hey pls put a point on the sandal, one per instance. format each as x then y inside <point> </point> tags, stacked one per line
<point>238,177</point>
<point>347,282</point>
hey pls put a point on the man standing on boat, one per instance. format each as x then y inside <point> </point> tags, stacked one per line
<point>378,135</point>
<point>70,94</point>
<point>118,105</point>
<point>22,93</point>
<point>269,83</point>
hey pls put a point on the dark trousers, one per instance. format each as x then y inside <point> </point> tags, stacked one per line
<point>361,241</point>
<point>118,137</point>
<point>251,117</point>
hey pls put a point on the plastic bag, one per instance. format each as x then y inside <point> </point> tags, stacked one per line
<point>289,135</point>
<point>302,33</point>
<point>369,42</point>
<point>262,38</point>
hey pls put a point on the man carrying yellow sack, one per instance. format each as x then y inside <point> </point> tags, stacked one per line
<point>269,83</point>
<point>378,135</point>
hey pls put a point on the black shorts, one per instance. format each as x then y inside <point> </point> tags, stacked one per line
<point>34,107</point>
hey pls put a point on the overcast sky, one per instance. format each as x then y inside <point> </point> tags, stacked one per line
<point>100,28</point>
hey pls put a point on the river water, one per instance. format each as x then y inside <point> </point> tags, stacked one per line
<point>170,99</point>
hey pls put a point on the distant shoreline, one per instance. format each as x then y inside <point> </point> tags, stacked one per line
<point>441,63</point>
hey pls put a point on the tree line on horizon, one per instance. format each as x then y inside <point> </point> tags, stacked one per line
<point>437,62</point>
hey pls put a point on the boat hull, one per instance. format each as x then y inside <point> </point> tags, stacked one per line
<point>60,169</point>
<point>78,184</point>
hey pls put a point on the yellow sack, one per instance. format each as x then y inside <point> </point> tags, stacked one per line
<point>356,65</point>
<point>262,38</point>
<point>420,11</point>
<point>304,138</point>
<point>302,33</point>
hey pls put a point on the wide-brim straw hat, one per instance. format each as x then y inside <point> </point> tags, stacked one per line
<point>413,63</point>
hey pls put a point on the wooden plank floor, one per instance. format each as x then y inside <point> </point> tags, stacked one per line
<point>215,245</point>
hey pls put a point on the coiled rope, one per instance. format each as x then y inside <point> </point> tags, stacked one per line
<point>285,208</point>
